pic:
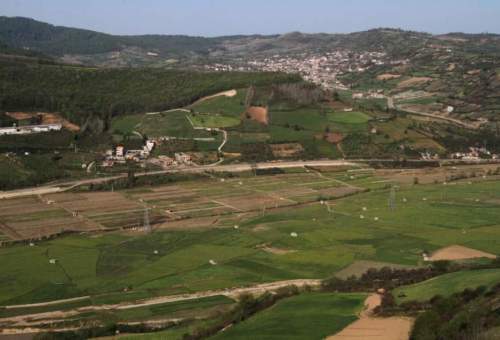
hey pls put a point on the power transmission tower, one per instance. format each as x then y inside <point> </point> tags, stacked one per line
<point>147,225</point>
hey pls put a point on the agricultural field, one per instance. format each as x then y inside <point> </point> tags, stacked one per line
<point>211,203</point>
<point>308,126</point>
<point>214,121</point>
<point>321,315</point>
<point>255,229</point>
<point>322,129</point>
<point>225,232</point>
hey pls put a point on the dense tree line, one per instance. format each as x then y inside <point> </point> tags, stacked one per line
<point>466,315</point>
<point>386,278</point>
<point>302,94</point>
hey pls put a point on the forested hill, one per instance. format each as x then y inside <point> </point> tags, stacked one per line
<point>82,92</point>
<point>57,40</point>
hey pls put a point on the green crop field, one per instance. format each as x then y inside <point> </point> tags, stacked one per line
<point>306,125</point>
<point>308,316</point>
<point>327,242</point>
<point>447,285</point>
<point>349,117</point>
<point>228,106</point>
<point>214,121</point>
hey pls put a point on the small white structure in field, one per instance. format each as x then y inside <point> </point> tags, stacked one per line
<point>222,180</point>
<point>478,200</point>
<point>240,183</point>
<point>365,208</point>
<point>352,177</point>
<point>294,235</point>
<point>445,183</point>
<point>375,218</point>
<point>156,252</point>
<point>426,257</point>
<point>424,199</point>
<point>236,227</point>
<point>322,202</point>
<point>32,244</point>
<point>362,217</point>
<point>52,261</point>
<point>212,262</point>
<point>405,200</point>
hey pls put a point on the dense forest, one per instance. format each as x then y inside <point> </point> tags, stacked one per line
<point>79,93</point>
<point>57,40</point>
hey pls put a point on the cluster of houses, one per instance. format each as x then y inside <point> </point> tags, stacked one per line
<point>29,129</point>
<point>321,68</point>
<point>474,153</point>
<point>119,155</point>
<point>179,159</point>
<point>376,94</point>
<point>427,156</point>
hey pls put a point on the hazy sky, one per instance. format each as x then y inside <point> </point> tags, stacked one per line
<point>226,17</point>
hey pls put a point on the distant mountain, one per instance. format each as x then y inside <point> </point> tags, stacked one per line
<point>89,47</point>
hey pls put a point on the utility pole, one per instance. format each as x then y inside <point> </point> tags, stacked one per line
<point>392,198</point>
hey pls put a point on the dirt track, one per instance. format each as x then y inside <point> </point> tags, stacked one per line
<point>369,327</point>
<point>32,320</point>
<point>230,93</point>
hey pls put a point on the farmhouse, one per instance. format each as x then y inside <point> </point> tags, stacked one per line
<point>29,129</point>
<point>183,158</point>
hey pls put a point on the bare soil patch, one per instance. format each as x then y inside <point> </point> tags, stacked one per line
<point>278,251</point>
<point>414,81</point>
<point>258,113</point>
<point>369,327</point>
<point>388,76</point>
<point>334,138</point>
<point>459,253</point>
<point>260,228</point>
<point>286,150</point>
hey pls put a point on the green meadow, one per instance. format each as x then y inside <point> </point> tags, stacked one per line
<point>448,284</point>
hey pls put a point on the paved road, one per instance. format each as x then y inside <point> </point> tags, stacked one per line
<point>434,116</point>
<point>240,167</point>
<point>392,105</point>
<point>50,189</point>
